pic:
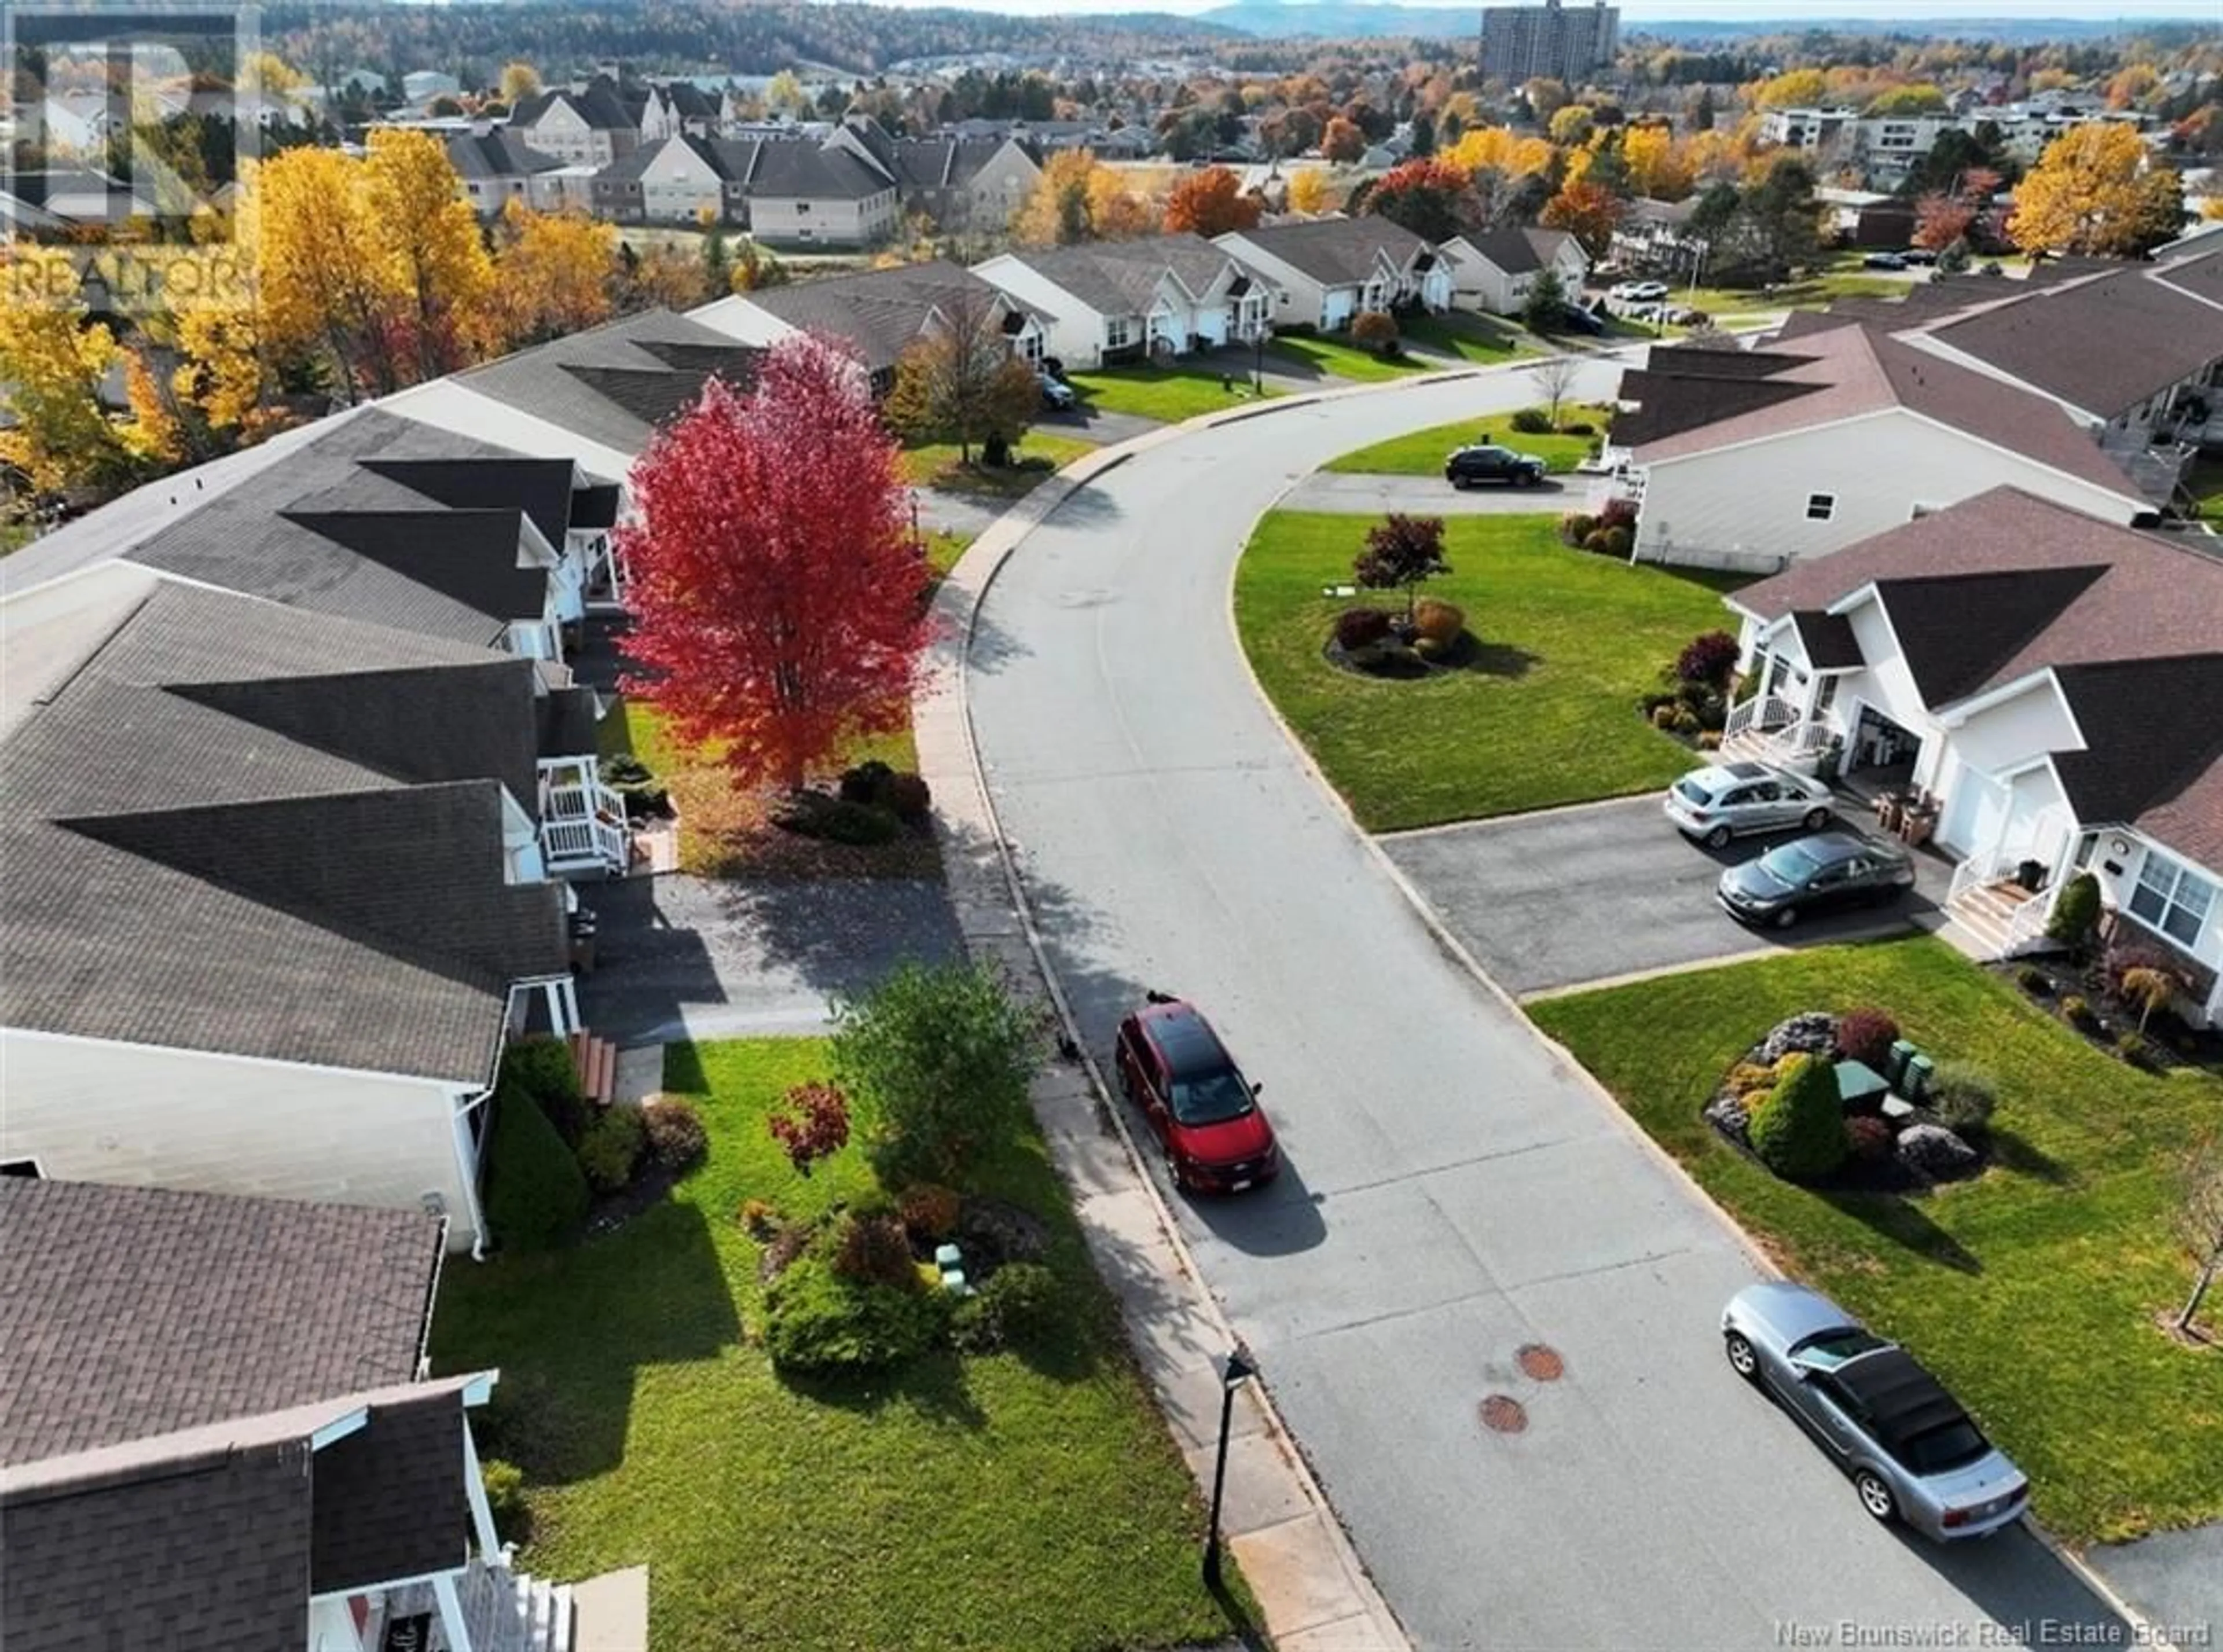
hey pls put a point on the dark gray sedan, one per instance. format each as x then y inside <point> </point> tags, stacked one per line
<point>1822,873</point>
<point>1913,1455</point>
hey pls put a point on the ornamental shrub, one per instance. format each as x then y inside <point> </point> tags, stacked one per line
<point>676,1134</point>
<point>1610,541</point>
<point>836,820</point>
<point>536,1195</point>
<point>1962,1096</point>
<point>1441,623</point>
<point>929,1210</point>
<point>1618,513</point>
<point>1867,1138</point>
<point>1376,330</point>
<point>818,1323</point>
<point>866,782</point>
<point>1800,1134</point>
<point>1576,527</point>
<point>2078,1009</point>
<point>611,1146</point>
<point>1357,628</point>
<point>505,1495</point>
<point>2124,959</point>
<point>910,798</point>
<point>1663,717</point>
<point>1686,721</point>
<point>1578,427</point>
<point>1022,1305</point>
<point>1866,1035</point>
<point>1532,421</point>
<point>541,1068</point>
<point>1708,659</point>
<point>2076,911</point>
<point>873,1248</point>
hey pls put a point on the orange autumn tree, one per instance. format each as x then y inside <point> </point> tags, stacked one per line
<point>1211,203</point>
<point>773,576</point>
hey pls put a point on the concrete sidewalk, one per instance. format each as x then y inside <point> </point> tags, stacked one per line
<point>1311,1591</point>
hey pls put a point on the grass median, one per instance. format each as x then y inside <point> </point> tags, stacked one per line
<point>1421,453</point>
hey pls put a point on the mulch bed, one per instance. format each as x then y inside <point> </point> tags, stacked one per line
<point>2047,980</point>
<point>1403,665</point>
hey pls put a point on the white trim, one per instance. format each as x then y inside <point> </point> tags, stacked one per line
<point>478,1387</point>
<point>468,1169</point>
<point>1765,438</point>
<point>475,1491</point>
<point>456,1092</point>
<point>339,1428</point>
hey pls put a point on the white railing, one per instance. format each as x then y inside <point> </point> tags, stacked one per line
<point>583,823</point>
<point>1768,712</point>
<point>2030,920</point>
<point>1971,875</point>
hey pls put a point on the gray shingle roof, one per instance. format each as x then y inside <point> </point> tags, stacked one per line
<point>539,487</point>
<point>131,1311</point>
<point>592,383</point>
<point>1517,250</point>
<point>279,890</point>
<point>470,557</point>
<point>499,153</point>
<point>1338,252</point>
<point>881,312</point>
<point>811,172</point>
<point>1120,277</point>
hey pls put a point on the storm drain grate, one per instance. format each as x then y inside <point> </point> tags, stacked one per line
<point>1541,1364</point>
<point>1503,1414</point>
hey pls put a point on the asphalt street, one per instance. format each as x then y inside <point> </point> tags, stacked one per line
<point>1555,899</point>
<point>1453,1192</point>
<point>1371,495</point>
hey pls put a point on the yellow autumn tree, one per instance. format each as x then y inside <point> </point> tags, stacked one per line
<point>555,270</point>
<point>52,361</point>
<point>224,376</point>
<point>440,269</point>
<point>1659,168</point>
<point>518,82</point>
<point>1077,198</point>
<point>1499,149</point>
<point>324,273</point>
<point>2092,192</point>
<point>1310,190</point>
<point>1798,89</point>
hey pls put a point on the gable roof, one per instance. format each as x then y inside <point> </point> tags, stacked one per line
<point>539,487</point>
<point>132,1311</point>
<point>1120,277</point>
<point>598,104</point>
<point>1843,372</point>
<point>2107,342</point>
<point>614,384</point>
<point>237,827</point>
<point>1517,250</point>
<point>2000,587</point>
<point>943,160</point>
<point>1336,252</point>
<point>881,312</point>
<point>502,152</point>
<point>785,170</point>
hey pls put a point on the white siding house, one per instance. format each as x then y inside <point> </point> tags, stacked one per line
<point>1495,272</point>
<point>1327,271</point>
<point>1123,301</point>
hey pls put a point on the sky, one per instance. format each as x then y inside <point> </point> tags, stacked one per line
<point>1636,12</point>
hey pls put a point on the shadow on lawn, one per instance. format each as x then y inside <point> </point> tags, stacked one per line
<point>1906,1224</point>
<point>572,1331</point>
<point>1499,660</point>
<point>2015,1152</point>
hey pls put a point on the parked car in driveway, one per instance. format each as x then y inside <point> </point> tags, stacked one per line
<point>1485,461</point>
<point>1638,291</point>
<point>1884,261</point>
<point>1912,1452</point>
<point>1203,1111</point>
<point>1822,873</point>
<point>1056,393</point>
<point>1726,800</point>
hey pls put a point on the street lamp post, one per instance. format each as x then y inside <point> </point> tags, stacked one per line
<point>917,539</point>
<point>1236,1370</point>
<point>1259,329</point>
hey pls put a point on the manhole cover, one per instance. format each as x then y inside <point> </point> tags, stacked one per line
<point>1541,1364</point>
<point>1503,1414</point>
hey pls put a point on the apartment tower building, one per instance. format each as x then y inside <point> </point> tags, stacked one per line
<point>1567,43</point>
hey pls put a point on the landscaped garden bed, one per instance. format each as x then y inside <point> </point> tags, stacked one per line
<point>2036,1290</point>
<point>1032,461</point>
<point>1534,712</point>
<point>979,1473</point>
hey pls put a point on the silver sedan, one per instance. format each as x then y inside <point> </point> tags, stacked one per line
<point>1913,1454</point>
<point>1727,800</point>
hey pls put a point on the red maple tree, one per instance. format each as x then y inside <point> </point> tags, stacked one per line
<point>811,1123</point>
<point>772,576</point>
<point>1211,203</point>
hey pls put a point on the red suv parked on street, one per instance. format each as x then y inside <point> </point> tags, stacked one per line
<point>1204,1112</point>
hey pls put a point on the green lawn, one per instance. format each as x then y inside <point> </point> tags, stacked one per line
<point>1544,714</point>
<point>1037,455</point>
<point>994,1503</point>
<point>1168,394</point>
<point>1338,358</point>
<point>2204,481</point>
<point>2032,1291</point>
<point>1843,278</point>
<point>1487,340</point>
<point>1421,454</point>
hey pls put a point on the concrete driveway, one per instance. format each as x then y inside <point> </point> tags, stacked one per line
<point>695,957</point>
<point>1367,494</point>
<point>1568,896</point>
<point>1092,423</point>
<point>1453,1193</point>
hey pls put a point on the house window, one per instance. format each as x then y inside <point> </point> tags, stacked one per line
<point>801,207</point>
<point>26,1168</point>
<point>1030,347</point>
<point>2171,898</point>
<point>1820,507</point>
<point>1119,332</point>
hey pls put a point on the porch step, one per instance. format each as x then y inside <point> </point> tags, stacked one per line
<point>545,1608</point>
<point>597,1061</point>
<point>1985,915</point>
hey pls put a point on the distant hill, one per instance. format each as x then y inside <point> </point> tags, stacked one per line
<point>1342,19</point>
<point>2015,31</point>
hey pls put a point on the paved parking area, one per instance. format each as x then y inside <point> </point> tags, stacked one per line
<point>1566,897</point>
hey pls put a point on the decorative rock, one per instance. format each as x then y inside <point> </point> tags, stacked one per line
<point>1727,1115</point>
<point>1933,1151</point>
<point>1813,1032</point>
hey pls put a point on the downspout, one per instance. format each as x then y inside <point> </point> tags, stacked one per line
<point>432,1301</point>
<point>466,1162</point>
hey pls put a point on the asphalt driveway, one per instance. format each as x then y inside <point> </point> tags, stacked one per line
<point>1567,896</point>
<point>696,957</point>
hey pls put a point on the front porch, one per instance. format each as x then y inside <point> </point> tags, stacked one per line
<point>583,826</point>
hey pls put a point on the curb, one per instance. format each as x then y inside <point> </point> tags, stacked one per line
<point>959,605</point>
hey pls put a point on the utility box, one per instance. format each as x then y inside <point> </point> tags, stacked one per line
<point>1895,1065</point>
<point>1919,1072</point>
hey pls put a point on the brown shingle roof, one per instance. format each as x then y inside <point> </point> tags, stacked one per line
<point>2152,758</point>
<point>132,1311</point>
<point>1854,370</point>
<point>2108,343</point>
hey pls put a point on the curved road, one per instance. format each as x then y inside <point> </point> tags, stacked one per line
<point>1452,1191</point>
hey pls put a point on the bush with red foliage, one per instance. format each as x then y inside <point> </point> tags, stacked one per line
<point>874,1248</point>
<point>1357,628</point>
<point>1708,658</point>
<point>929,1209</point>
<point>811,1123</point>
<point>1866,1036</point>
<point>1617,513</point>
<point>1867,1139</point>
